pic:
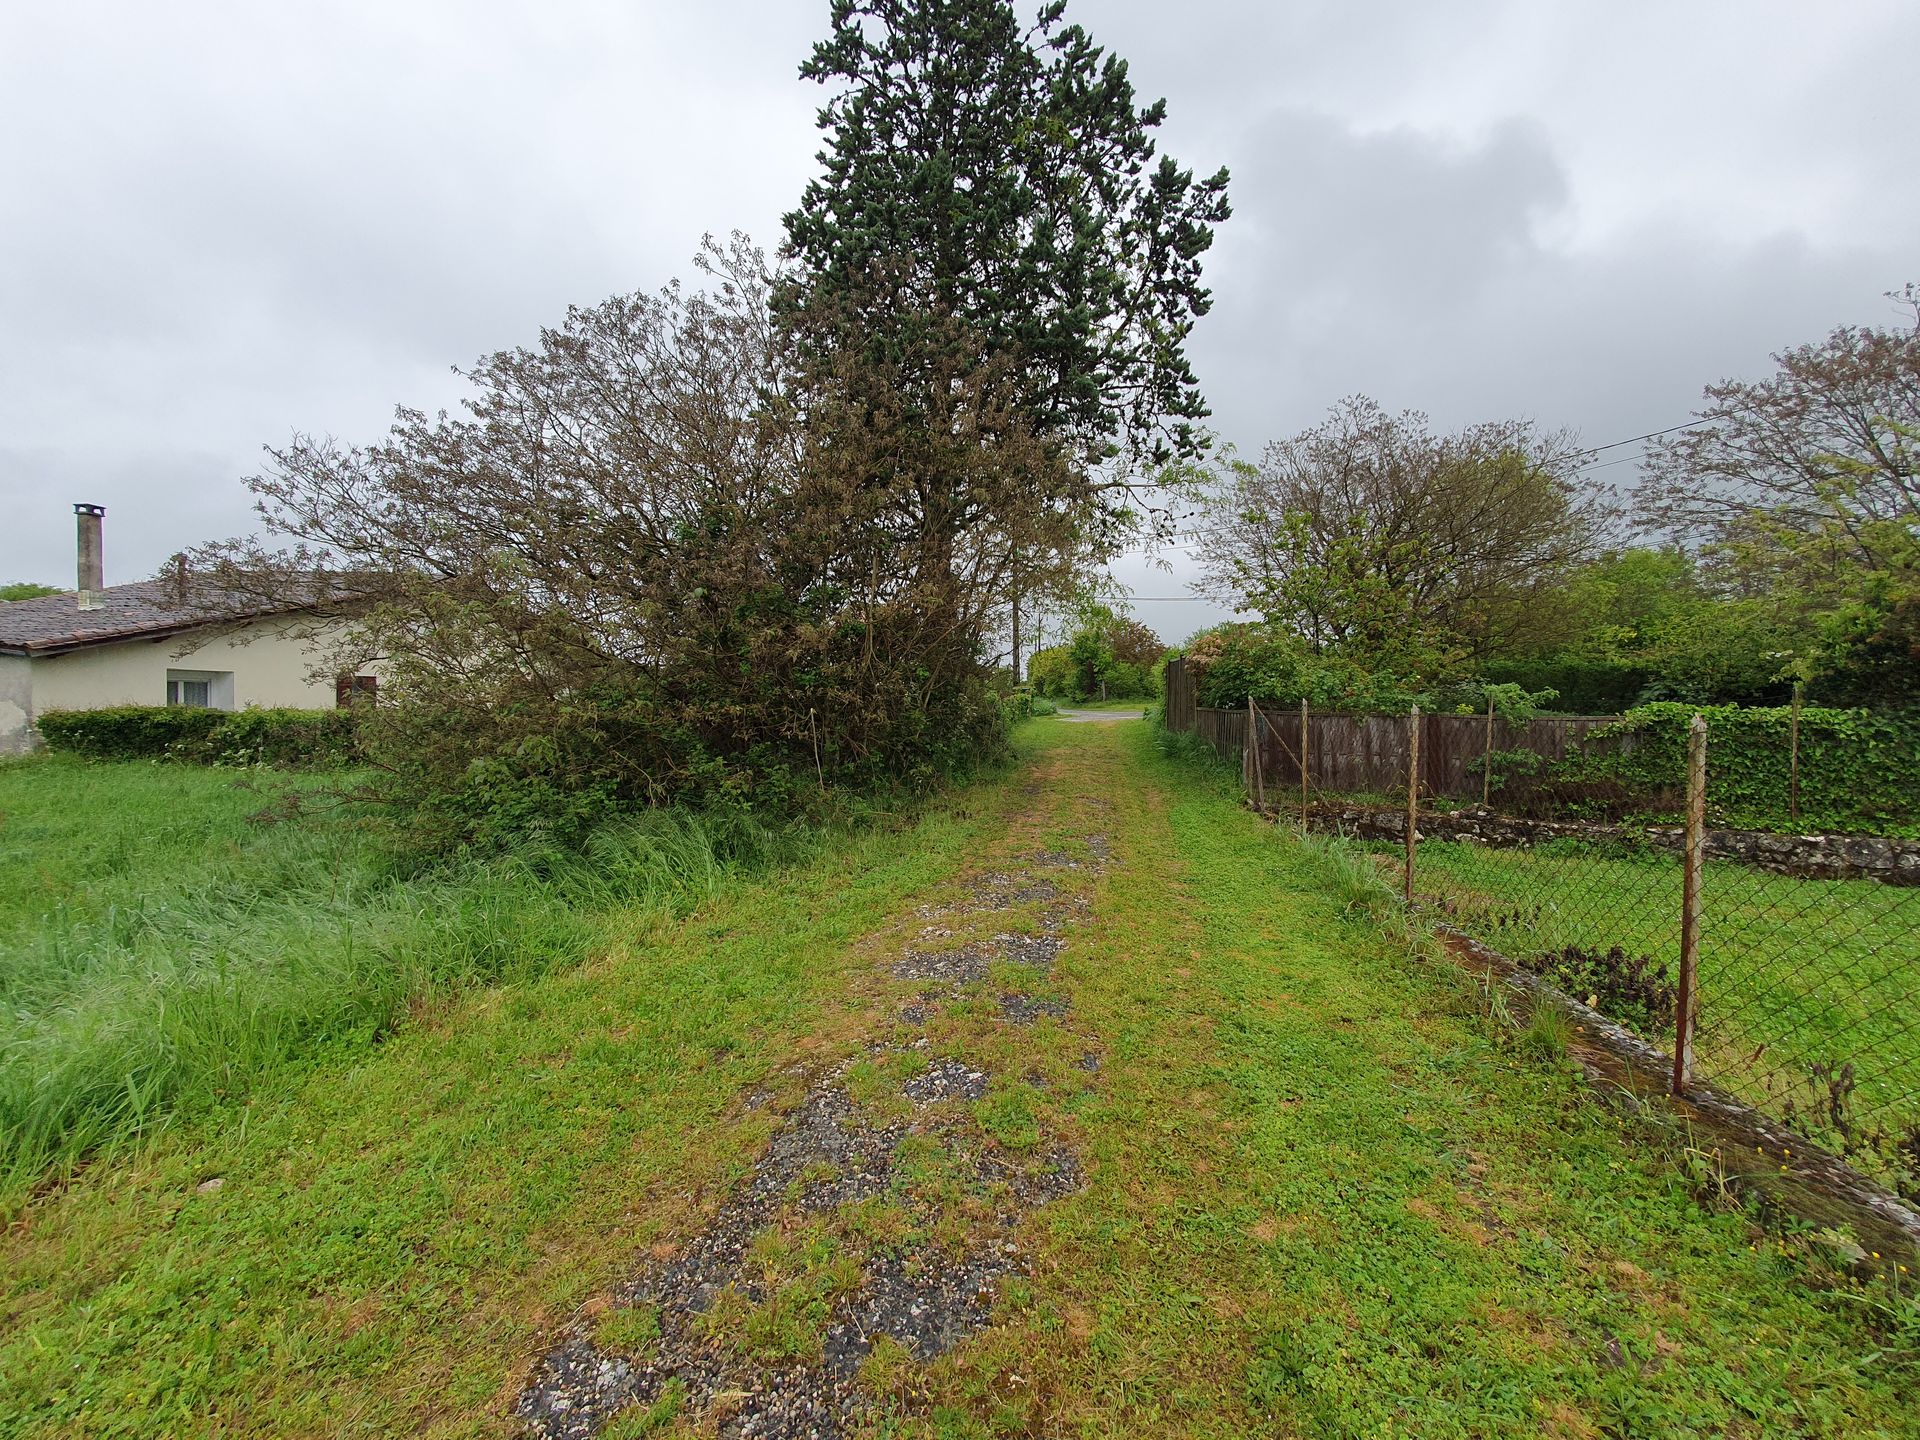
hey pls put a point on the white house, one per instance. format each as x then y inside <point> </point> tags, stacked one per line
<point>136,644</point>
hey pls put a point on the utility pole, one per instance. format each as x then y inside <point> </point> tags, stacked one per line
<point>1016,628</point>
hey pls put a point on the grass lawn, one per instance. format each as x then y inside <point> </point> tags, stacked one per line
<point>1792,972</point>
<point>1324,1195</point>
<point>171,936</point>
<point>1135,706</point>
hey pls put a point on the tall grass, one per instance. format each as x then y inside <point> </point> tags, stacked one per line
<point>162,951</point>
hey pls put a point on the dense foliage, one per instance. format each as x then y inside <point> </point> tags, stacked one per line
<point>1859,770</point>
<point>740,545</point>
<point>205,737</point>
<point>1008,169</point>
<point>25,590</point>
<point>1108,656</point>
<point>1782,530</point>
<point>1378,541</point>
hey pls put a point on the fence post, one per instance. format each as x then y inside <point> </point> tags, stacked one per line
<point>1413,795</point>
<point>1793,756</point>
<point>1246,759</point>
<point>1303,769</point>
<point>1687,1002</point>
<point>1486,761</point>
<point>1259,768</point>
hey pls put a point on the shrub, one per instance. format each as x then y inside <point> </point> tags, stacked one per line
<point>1859,769</point>
<point>1584,687</point>
<point>204,737</point>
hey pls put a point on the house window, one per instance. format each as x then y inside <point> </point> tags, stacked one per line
<point>355,690</point>
<point>200,689</point>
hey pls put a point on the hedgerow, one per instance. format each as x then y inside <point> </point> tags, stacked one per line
<point>1859,770</point>
<point>299,738</point>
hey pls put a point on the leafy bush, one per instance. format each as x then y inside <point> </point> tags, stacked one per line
<point>1637,990</point>
<point>1051,672</point>
<point>1859,769</point>
<point>1584,686</point>
<point>204,737</point>
<point>1233,662</point>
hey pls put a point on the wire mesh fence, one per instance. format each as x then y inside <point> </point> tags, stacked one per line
<point>1798,994</point>
<point>1806,991</point>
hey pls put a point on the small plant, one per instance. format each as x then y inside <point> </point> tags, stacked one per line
<point>649,1419</point>
<point>629,1330</point>
<point>1824,1109</point>
<point>783,1314</point>
<point>1006,1113</point>
<point>1547,1032</point>
<point>1636,990</point>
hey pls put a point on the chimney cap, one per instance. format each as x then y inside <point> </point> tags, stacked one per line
<point>89,509</point>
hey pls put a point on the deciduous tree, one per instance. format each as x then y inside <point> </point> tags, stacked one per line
<point>1372,537</point>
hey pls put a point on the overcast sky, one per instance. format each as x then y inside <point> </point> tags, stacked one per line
<point>222,223</point>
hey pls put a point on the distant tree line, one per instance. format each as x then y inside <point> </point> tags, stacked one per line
<point>1774,542</point>
<point>1108,656</point>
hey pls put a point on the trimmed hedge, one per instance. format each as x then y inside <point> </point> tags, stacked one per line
<point>1859,769</point>
<point>204,737</point>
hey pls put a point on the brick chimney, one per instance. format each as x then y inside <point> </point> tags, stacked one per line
<point>92,556</point>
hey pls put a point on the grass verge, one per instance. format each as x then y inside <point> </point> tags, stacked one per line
<point>1328,1198</point>
<point>377,1243</point>
<point>172,936</point>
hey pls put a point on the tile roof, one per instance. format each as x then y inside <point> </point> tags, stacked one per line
<point>53,623</point>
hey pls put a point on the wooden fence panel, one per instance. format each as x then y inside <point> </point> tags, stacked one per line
<point>1180,704</point>
<point>1362,754</point>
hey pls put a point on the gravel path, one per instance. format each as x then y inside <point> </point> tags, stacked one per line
<point>891,1221</point>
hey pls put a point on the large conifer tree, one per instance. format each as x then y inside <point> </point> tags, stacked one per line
<point>1004,176</point>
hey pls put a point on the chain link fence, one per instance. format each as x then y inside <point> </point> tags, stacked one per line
<point>1794,986</point>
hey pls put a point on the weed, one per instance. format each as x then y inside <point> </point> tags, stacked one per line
<point>1548,1031</point>
<point>649,1419</point>
<point>802,1272</point>
<point>1636,990</point>
<point>628,1330</point>
<point>1006,1113</point>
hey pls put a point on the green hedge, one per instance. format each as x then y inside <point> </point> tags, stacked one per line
<point>1584,687</point>
<point>1859,769</point>
<point>204,737</point>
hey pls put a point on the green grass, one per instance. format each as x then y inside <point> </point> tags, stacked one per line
<point>1802,971</point>
<point>395,1229</point>
<point>1136,704</point>
<point>171,936</point>
<point>1325,1196</point>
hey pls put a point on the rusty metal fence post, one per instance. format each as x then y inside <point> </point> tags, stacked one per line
<point>1259,766</point>
<point>1413,796</point>
<point>1687,1002</point>
<point>1486,760</point>
<point>1303,769</point>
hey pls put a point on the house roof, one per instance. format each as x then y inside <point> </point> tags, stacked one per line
<point>146,609</point>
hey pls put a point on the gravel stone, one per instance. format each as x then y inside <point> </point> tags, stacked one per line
<point>826,1153</point>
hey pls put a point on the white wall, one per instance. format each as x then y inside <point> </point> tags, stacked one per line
<point>270,663</point>
<point>16,703</point>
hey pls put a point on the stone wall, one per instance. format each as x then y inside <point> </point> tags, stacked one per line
<point>1822,857</point>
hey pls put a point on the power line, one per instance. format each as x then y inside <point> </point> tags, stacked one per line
<point>1650,435</point>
